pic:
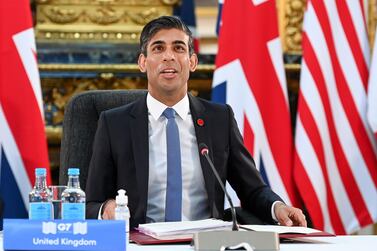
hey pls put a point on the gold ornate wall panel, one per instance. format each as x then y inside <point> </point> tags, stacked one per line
<point>97,20</point>
<point>291,16</point>
<point>56,94</point>
<point>372,20</point>
<point>122,20</point>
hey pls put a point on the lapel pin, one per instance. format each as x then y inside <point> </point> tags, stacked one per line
<point>200,122</point>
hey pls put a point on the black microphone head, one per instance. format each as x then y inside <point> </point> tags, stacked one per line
<point>203,149</point>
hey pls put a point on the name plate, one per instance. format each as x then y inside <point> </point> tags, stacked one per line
<point>23,234</point>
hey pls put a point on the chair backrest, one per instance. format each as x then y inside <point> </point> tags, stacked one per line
<point>80,124</point>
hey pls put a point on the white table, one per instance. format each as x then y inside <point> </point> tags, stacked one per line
<point>339,243</point>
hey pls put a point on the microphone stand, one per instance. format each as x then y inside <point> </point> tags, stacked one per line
<point>232,209</point>
<point>220,240</point>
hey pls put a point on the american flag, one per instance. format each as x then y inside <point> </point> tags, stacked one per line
<point>23,145</point>
<point>250,77</point>
<point>335,154</point>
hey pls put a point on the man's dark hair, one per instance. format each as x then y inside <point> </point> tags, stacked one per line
<point>163,23</point>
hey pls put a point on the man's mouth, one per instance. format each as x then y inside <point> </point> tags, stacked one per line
<point>168,73</point>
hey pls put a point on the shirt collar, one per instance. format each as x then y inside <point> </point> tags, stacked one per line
<point>156,108</point>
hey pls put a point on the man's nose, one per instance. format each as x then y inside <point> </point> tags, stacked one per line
<point>169,55</point>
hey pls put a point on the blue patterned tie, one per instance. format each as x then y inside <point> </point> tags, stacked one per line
<point>173,206</point>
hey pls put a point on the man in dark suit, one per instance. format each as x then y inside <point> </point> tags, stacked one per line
<point>134,143</point>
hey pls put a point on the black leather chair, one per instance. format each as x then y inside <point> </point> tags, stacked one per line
<point>80,124</point>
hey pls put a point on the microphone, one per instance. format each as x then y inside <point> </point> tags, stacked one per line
<point>204,152</point>
<point>215,240</point>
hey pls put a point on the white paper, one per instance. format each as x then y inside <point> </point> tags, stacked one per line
<point>183,229</point>
<point>281,229</point>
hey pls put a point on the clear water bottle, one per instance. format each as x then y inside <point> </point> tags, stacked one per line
<point>73,197</point>
<point>40,198</point>
<point>122,212</point>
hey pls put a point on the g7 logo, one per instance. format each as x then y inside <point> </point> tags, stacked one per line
<point>64,227</point>
<point>53,228</point>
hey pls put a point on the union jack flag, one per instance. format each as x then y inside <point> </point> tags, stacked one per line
<point>23,145</point>
<point>250,77</point>
<point>335,156</point>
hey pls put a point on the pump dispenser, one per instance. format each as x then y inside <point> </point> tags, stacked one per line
<point>122,212</point>
<point>121,198</point>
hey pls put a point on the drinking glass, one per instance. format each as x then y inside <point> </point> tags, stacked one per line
<point>57,200</point>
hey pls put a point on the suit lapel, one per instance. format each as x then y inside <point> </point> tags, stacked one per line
<point>140,146</point>
<point>202,130</point>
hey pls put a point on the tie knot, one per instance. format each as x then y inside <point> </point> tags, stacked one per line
<point>169,113</point>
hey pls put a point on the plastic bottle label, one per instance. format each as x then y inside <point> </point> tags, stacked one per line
<point>73,211</point>
<point>40,211</point>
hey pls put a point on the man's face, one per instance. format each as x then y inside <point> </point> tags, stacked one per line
<point>168,64</point>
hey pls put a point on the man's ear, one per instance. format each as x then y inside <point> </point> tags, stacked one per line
<point>141,62</point>
<point>193,62</point>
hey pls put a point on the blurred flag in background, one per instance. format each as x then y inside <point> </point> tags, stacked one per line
<point>23,145</point>
<point>335,157</point>
<point>186,11</point>
<point>250,77</point>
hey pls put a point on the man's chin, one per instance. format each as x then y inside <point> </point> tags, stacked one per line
<point>171,90</point>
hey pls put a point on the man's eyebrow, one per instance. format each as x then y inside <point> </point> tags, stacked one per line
<point>179,42</point>
<point>157,42</point>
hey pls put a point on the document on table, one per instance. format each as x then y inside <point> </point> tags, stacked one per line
<point>287,232</point>
<point>182,229</point>
<point>280,229</point>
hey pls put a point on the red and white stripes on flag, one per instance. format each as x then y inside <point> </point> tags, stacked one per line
<point>250,77</point>
<point>335,156</point>
<point>372,91</point>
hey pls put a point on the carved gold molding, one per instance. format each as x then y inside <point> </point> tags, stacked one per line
<point>291,16</point>
<point>54,134</point>
<point>58,91</point>
<point>372,20</point>
<point>98,20</point>
<point>130,68</point>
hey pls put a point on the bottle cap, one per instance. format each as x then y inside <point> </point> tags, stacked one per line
<point>40,171</point>
<point>73,171</point>
<point>121,198</point>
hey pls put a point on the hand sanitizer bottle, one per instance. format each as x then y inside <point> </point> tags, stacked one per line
<point>122,212</point>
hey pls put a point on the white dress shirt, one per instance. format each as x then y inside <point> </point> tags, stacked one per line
<point>194,194</point>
